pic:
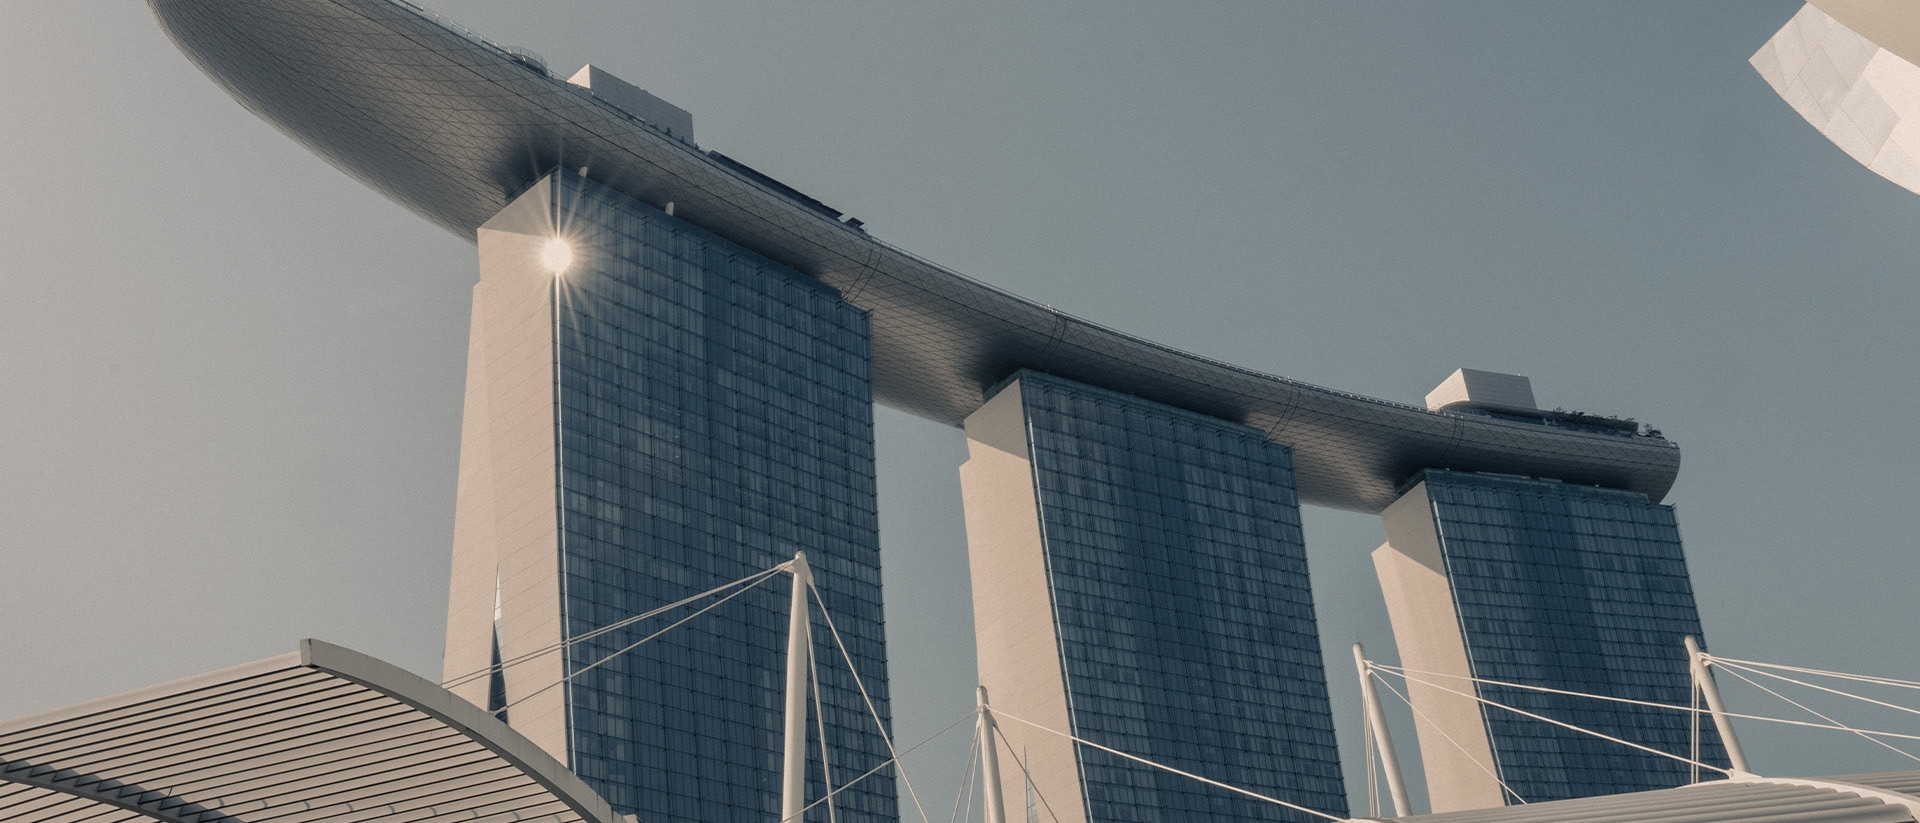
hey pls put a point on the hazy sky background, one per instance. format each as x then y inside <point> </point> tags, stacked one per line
<point>231,383</point>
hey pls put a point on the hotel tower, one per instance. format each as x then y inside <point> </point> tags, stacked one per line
<point>672,368</point>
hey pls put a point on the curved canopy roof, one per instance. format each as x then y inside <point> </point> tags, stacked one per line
<point>323,734</point>
<point>1863,798</point>
<point>453,127</point>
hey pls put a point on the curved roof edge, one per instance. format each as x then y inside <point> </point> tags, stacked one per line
<point>457,713</point>
<point>324,730</point>
<point>453,127</point>
<point>1809,800</point>
<point>1892,788</point>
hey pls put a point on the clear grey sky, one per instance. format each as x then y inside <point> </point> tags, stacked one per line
<point>231,382</point>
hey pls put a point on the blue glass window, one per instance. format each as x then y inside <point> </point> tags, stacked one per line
<point>1180,595</point>
<point>1580,589</point>
<point>715,416</point>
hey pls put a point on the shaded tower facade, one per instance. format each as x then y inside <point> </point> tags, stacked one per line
<point>669,413</point>
<point>1549,585</point>
<point>1139,579</point>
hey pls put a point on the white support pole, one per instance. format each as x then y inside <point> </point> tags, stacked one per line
<point>1703,680</point>
<point>793,783</point>
<point>996,809</point>
<point>1382,740</point>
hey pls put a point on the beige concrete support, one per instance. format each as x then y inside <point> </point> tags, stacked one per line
<point>506,525</point>
<point>472,589</point>
<point>1019,652</point>
<point>1454,750</point>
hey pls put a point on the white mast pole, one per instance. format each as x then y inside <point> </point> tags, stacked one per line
<point>793,785</point>
<point>1703,680</point>
<point>1382,740</point>
<point>989,761</point>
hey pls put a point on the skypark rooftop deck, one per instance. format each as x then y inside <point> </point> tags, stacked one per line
<point>453,126</point>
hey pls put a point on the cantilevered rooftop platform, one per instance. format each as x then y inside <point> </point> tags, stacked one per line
<point>453,127</point>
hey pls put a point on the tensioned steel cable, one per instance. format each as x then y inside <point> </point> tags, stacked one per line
<point>1570,726</point>
<point>1373,771</point>
<point>1693,731</point>
<point>1028,774</point>
<point>966,778</point>
<point>1165,768</point>
<point>1786,722</point>
<point>636,644</point>
<point>876,770</point>
<point>1443,733</point>
<point>1407,674</point>
<point>749,580</point>
<point>820,721</point>
<point>1809,710</point>
<point>745,584</point>
<point>1731,666</point>
<point>885,737</point>
<point>1884,681</point>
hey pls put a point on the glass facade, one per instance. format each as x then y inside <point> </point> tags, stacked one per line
<point>715,416</point>
<point>1579,589</point>
<point>1180,597</point>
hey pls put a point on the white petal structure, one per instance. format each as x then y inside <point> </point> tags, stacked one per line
<point>1848,67</point>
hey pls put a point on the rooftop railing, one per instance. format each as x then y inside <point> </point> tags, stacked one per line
<point>525,57</point>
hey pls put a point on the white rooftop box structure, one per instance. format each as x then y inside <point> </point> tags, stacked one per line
<point>675,121</point>
<point>1484,390</point>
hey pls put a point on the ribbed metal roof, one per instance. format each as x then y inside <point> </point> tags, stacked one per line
<point>1907,783</point>
<point>322,734</point>
<point>1742,800</point>
<point>452,127</point>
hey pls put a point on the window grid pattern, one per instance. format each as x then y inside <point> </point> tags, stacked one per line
<point>715,417</point>
<point>1181,599</point>
<point>1580,589</point>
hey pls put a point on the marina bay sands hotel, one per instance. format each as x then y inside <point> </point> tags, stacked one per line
<point>672,369</point>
